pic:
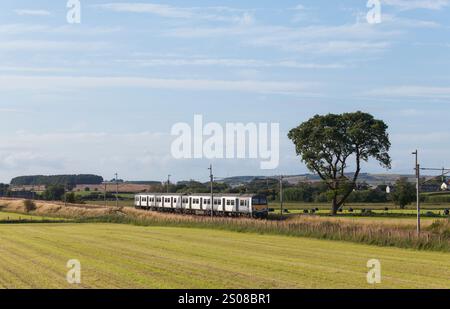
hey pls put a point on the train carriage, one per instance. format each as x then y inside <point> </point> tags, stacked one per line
<point>250,205</point>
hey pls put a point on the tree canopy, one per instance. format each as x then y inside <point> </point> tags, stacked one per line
<point>56,180</point>
<point>328,143</point>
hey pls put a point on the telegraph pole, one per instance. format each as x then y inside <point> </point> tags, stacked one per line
<point>281,195</point>
<point>168,182</point>
<point>117,190</point>
<point>211,177</point>
<point>417,168</point>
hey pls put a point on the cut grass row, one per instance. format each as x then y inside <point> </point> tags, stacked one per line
<point>35,256</point>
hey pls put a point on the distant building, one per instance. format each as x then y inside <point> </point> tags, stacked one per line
<point>430,187</point>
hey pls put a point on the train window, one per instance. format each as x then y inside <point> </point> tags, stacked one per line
<point>228,202</point>
<point>232,203</point>
<point>259,201</point>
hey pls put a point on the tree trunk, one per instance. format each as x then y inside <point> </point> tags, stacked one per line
<point>335,206</point>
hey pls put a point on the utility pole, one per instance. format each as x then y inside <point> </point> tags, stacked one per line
<point>168,182</point>
<point>117,190</point>
<point>211,177</point>
<point>417,168</point>
<point>281,195</point>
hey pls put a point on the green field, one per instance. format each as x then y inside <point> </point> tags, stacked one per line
<point>126,256</point>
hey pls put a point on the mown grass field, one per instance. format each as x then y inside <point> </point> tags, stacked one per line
<point>127,256</point>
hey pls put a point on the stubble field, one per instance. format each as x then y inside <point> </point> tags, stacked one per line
<point>127,256</point>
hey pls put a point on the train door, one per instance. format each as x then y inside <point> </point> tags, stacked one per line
<point>223,205</point>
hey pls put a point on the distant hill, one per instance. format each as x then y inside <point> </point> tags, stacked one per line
<point>371,179</point>
<point>43,180</point>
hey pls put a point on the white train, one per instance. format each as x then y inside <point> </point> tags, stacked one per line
<point>250,205</point>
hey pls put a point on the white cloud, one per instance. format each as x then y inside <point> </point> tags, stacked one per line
<point>15,82</point>
<point>52,153</point>
<point>12,110</point>
<point>53,46</point>
<point>13,29</point>
<point>4,68</point>
<point>156,9</point>
<point>229,62</point>
<point>417,4</point>
<point>167,11</point>
<point>23,12</point>
<point>351,38</point>
<point>413,92</point>
<point>396,21</point>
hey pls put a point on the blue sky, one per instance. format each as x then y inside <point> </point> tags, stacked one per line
<point>101,96</point>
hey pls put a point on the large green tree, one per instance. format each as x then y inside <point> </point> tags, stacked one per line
<point>327,144</point>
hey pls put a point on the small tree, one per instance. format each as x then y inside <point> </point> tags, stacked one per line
<point>29,205</point>
<point>71,198</point>
<point>53,193</point>
<point>327,143</point>
<point>404,193</point>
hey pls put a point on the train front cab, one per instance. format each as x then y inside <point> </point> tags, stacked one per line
<point>260,207</point>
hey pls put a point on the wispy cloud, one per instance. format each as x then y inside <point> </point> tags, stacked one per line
<point>229,62</point>
<point>351,38</point>
<point>417,4</point>
<point>168,11</point>
<point>20,28</point>
<point>51,46</point>
<point>14,82</point>
<point>413,92</point>
<point>156,9</point>
<point>23,12</point>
